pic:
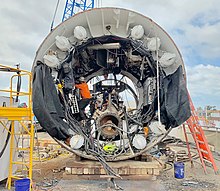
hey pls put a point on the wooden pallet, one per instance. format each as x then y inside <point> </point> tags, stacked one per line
<point>130,169</point>
<point>46,143</point>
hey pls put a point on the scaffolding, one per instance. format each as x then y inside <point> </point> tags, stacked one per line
<point>20,120</point>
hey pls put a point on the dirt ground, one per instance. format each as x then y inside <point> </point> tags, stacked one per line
<point>195,178</point>
<point>49,175</point>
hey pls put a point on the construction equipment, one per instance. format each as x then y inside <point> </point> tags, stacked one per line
<point>121,60</point>
<point>74,6</point>
<point>21,139</point>
<point>198,135</point>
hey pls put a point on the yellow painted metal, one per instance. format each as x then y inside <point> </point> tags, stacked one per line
<point>16,177</point>
<point>5,127</point>
<point>15,92</point>
<point>22,149</point>
<point>14,113</point>
<point>24,126</point>
<point>11,69</point>
<point>20,163</point>
<point>24,117</point>
<point>31,152</point>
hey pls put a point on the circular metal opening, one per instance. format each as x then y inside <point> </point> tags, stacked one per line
<point>109,119</point>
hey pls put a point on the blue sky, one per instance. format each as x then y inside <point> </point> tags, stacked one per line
<point>193,25</point>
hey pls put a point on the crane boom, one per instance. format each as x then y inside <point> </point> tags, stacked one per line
<point>74,6</point>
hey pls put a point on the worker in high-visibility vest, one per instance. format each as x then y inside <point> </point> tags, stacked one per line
<point>85,95</point>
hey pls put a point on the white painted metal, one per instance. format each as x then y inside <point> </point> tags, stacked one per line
<point>4,160</point>
<point>97,22</point>
<point>121,21</point>
<point>139,142</point>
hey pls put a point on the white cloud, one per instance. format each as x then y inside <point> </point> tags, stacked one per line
<point>203,83</point>
<point>24,26</point>
<point>183,15</point>
<point>194,26</point>
<point>170,12</point>
<point>205,39</point>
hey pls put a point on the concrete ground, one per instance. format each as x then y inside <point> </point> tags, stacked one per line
<point>102,185</point>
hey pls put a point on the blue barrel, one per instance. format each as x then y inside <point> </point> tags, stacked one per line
<point>22,184</point>
<point>179,170</point>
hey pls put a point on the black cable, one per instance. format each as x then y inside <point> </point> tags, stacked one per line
<point>6,142</point>
<point>75,126</point>
<point>132,119</point>
<point>18,86</point>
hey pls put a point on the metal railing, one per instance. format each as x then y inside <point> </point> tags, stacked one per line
<point>23,116</point>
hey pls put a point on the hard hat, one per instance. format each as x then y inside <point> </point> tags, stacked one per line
<point>82,79</point>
